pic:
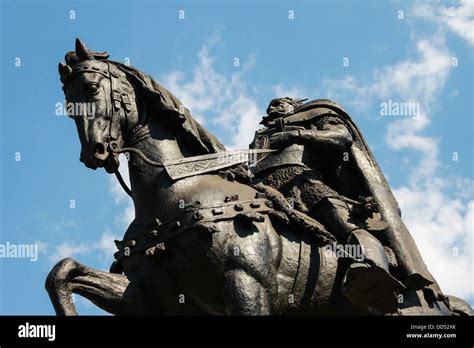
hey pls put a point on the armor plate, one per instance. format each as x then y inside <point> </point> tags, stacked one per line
<point>291,155</point>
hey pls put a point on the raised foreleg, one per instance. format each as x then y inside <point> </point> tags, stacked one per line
<point>109,291</point>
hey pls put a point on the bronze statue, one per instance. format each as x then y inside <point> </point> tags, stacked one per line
<point>209,238</point>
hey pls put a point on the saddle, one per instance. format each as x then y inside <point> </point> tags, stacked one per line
<point>268,201</point>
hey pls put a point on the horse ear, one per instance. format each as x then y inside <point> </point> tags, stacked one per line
<point>83,53</point>
<point>64,72</point>
<point>71,58</point>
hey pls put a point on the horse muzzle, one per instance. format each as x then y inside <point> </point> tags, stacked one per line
<point>112,163</point>
<point>100,156</point>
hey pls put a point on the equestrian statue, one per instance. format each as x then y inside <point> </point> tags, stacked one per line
<point>302,222</point>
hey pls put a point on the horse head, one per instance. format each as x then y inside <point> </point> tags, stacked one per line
<point>102,102</point>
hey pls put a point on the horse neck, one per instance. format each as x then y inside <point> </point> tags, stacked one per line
<point>153,190</point>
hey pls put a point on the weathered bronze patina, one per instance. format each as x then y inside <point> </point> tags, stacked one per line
<point>218,232</point>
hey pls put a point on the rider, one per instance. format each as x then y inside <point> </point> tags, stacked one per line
<point>310,147</point>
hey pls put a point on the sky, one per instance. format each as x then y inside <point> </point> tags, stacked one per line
<point>225,61</point>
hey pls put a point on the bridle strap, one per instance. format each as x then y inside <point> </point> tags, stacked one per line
<point>116,101</point>
<point>122,183</point>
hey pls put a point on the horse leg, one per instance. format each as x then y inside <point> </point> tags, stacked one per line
<point>245,295</point>
<point>109,291</point>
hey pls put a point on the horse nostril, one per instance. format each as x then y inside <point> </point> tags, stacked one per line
<point>99,148</point>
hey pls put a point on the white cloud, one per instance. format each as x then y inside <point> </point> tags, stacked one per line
<point>459,19</point>
<point>63,225</point>
<point>246,111</point>
<point>419,80</point>
<point>442,228</point>
<point>69,249</point>
<point>294,92</point>
<point>103,249</point>
<point>217,99</point>
<point>106,246</point>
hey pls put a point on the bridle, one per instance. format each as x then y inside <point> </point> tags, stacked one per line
<point>120,100</point>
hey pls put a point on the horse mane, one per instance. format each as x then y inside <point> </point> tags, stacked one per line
<point>167,105</point>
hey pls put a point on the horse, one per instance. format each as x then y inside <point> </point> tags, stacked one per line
<point>203,241</point>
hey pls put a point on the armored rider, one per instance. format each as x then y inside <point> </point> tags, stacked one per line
<point>313,141</point>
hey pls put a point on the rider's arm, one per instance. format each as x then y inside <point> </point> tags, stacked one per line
<point>333,134</point>
<point>330,133</point>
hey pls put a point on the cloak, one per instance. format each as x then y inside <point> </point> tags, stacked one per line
<point>361,176</point>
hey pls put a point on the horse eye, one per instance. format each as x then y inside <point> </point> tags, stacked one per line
<point>92,88</point>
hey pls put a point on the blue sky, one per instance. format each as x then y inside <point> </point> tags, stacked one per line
<point>425,57</point>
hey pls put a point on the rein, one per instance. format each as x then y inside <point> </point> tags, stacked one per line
<point>177,169</point>
<point>116,150</point>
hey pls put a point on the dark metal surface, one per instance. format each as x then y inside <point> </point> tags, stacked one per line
<point>205,241</point>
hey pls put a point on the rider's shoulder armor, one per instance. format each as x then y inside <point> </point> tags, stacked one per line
<point>317,113</point>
